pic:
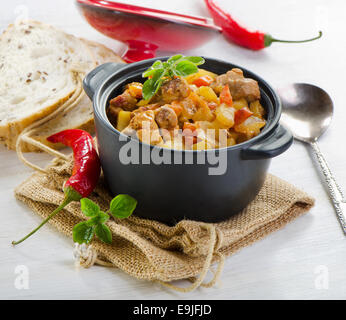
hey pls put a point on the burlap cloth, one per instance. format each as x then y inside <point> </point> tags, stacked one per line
<point>153,251</point>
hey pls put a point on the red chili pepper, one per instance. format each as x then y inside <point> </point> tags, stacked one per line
<point>225,96</point>
<point>241,115</point>
<point>203,81</point>
<point>234,32</point>
<point>86,170</point>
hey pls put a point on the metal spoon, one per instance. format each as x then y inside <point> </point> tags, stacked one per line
<point>307,111</point>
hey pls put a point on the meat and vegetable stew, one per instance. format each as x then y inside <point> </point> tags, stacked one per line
<point>181,106</point>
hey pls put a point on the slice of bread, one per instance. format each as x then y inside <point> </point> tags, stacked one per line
<point>79,117</point>
<point>36,78</point>
<point>101,53</point>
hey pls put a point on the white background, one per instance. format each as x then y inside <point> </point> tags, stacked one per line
<point>285,265</point>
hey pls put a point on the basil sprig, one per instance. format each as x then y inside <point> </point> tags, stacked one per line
<point>121,207</point>
<point>177,65</point>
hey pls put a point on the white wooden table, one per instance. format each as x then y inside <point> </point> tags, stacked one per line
<point>307,259</point>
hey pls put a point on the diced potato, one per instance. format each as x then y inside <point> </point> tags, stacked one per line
<point>227,142</point>
<point>218,128</point>
<point>251,126</point>
<point>216,124</point>
<point>203,112</point>
<point>239,104</point>
<point>172,145</point>
<point>218,88</point>
<point>123,121</point>
<point>234,135</point>
<point>150,136</point>
<point>178,141</point>
<point>205,125</point>
<point>207,135</point>
<point>231,142</point>
<point>142,103</point>
<point>211,129</point>
<point>208,94</point>
<point>193,88</point>
<point>203,145</point>
<point>201,72</point>
<point>243,137</point>
<point>257,109</point>
<point>225,115</point>
<point>175,141</point>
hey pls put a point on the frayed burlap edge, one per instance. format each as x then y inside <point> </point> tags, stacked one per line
<point>152,251</point>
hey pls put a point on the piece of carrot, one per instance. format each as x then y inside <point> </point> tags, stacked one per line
<point>225,96</point>
<point>241,115</point>
<point>203,81</point>
<point>189,133</point>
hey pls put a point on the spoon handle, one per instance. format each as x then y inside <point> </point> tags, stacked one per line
<point>335,191</point>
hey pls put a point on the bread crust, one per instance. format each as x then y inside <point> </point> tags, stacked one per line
<point>101,55</point>
<point>10,131</point>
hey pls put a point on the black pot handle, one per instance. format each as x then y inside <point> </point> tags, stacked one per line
<point>95,77</point>
<point>272,146</point>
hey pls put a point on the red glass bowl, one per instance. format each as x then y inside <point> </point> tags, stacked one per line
<point>145,30</point>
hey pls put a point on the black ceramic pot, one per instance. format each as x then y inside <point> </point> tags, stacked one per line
<point>184,188</point>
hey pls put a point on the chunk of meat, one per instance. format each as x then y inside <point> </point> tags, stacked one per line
<point>189,107</point>
<point>235,73</point>
<point>152,106</point>
<point>245,88</point>
<point>239,86</point>
<point>146,127</point>
<point>145,119</point>
<point>124,101</point>
<point>166,117</point>
<point>150,137</point>
<point>175,89</point>
<point>223,79</point>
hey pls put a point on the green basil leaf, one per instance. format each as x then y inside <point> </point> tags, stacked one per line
<point>148,89</point>
<point>174,58</point>
<point>151,86</point>
<point>177,65</point>
<point>184,68</point>
<point>148,73</point>
<point>156,65</point>
<point>157,85</point>
<point>89,207</point>
<point>103,233</point>
<point>152,72</point>
<point>122,206</point>
<point>92,221</point>
<point>82,232</point>
<point>102,217</point>
<point>158,75</point>
<point>175,72</point>
<point>196,60</point>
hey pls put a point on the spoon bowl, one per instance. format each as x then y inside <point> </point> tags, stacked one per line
<point>307,110</point>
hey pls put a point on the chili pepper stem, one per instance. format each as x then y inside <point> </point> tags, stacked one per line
<point>268,39</point>
<point>66,201</point>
